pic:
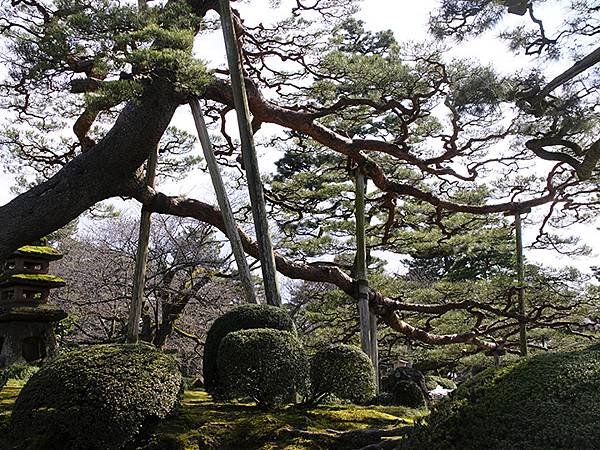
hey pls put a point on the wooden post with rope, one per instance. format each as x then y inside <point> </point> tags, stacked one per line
<point>255,188</point>
<point>368,321</point>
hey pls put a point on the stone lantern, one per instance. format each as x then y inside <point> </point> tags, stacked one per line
<point>26,318</point>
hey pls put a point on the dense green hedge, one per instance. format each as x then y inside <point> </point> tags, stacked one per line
<point>96,398</point>
<point>269,366</point>
<point>344,371</point>
<point>242,318</point>
<point>550,401</point>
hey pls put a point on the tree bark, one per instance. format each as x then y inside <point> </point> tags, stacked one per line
<point>91,177</point>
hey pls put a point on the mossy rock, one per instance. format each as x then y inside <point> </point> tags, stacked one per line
<point>241,318</point>
<point>550,401</point>
<point>99,397</point>
<point>409,394</point>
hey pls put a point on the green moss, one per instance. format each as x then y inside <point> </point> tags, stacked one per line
<point>38,277</point>
<point>205,425</point>
<point>21,372</point>
<point>39,250</point>
<point>8,395</point>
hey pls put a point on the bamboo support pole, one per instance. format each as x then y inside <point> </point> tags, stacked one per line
<point>255,188</point>
<point>223,201</point>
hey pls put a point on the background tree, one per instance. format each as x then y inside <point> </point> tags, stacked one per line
<point>422,126</point>
<point>188,285</point>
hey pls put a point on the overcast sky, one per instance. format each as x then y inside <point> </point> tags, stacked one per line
<point>408,20</point>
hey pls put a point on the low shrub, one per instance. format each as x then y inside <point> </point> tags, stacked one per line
<point>268,366</point>
<point>343,371</point>
<point>242,318</point>
<point>21,372</point>
<point>434,381</point>
<point>99,397</point>
<point>550,401</point>
<point>408,393</point>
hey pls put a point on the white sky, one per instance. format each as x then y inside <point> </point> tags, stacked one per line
<point>408,20</point>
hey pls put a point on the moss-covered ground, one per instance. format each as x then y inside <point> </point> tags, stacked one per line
<point>8,395</point>
<point>203,424</point>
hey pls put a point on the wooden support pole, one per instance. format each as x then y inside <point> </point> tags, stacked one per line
<point>374,349</point>
<point>361,266</point>
<point>223,201</point>
<point>141,257</point>
<point>521,280</point>
<point>255,188</point>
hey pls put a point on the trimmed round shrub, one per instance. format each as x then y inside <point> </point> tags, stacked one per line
<point>242,318</point>
<point>99,397</point>
<point>550,401</point>
<point>344,371</point>
<point>268,366</point>
<point>408,393</point>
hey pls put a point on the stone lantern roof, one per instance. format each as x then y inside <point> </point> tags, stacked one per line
<point>26,317</point>
<point>43,252</point>
<point>32,279</point>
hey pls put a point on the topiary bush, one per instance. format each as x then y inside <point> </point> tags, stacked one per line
<point>550,401</point>
<point>268,366</point>
<point>242,318</point>
<point>99,397</point>
<point>344,371</point>
<point>408,393</point>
